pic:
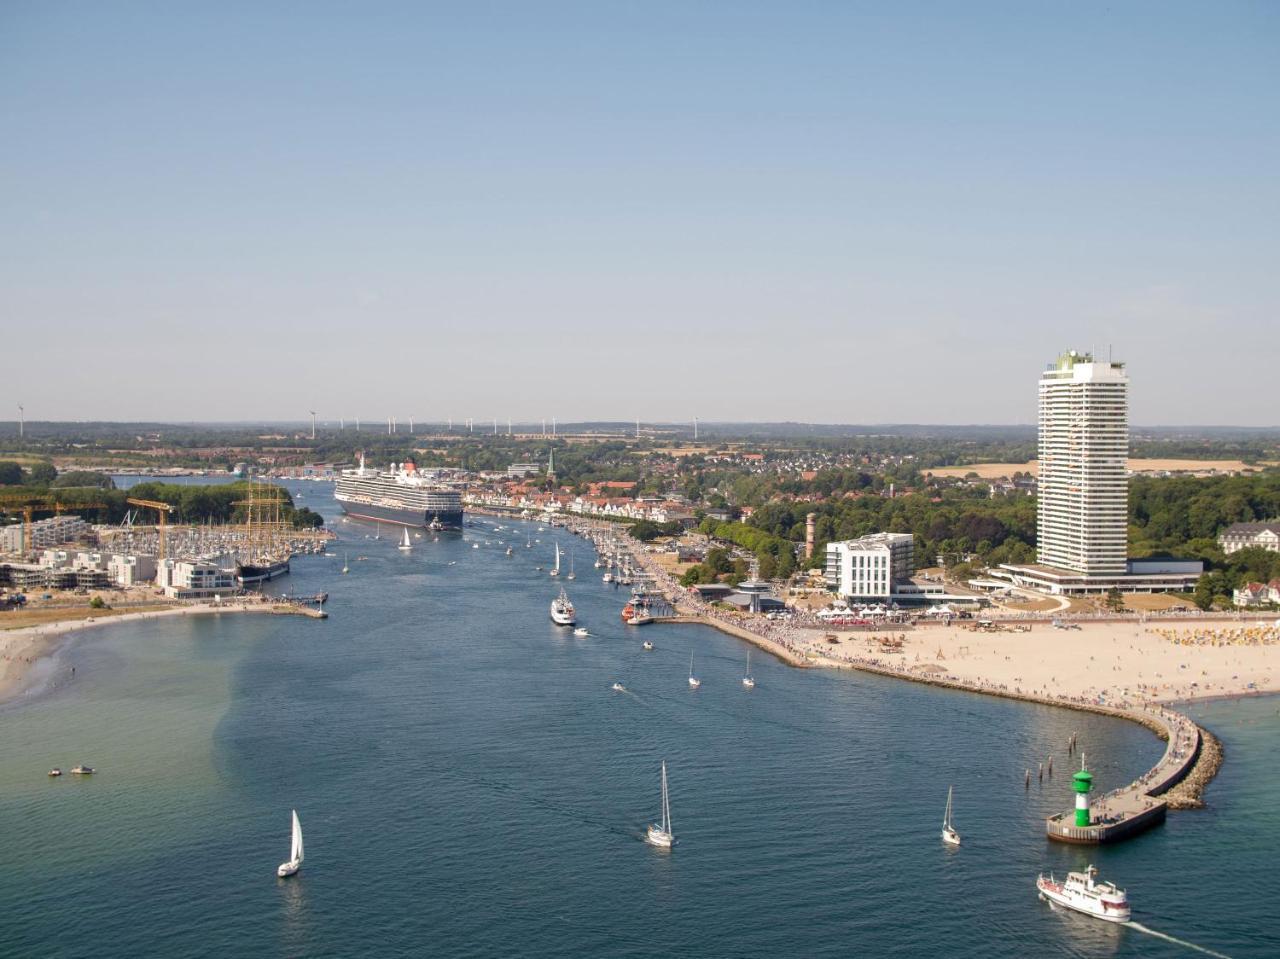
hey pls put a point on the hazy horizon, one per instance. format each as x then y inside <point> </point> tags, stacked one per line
<point>847,213</point>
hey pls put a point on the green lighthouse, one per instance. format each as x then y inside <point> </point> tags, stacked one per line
<point>1082,782</point>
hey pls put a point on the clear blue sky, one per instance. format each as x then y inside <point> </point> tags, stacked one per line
<point>823,211</point>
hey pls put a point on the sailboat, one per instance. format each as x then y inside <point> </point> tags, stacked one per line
<point>572,575</point>
<point>295,851</point>
<point>694,681</point>
<point>748,680</point>
<point>556,569</point>
<point>405,545</point>
<point>949,834</point>
<point>345,568</point>
<point>661,834</point>
<point>378,534</point>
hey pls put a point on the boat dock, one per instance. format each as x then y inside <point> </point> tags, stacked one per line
<point>1131,809</point>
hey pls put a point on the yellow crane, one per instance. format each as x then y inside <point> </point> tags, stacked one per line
<point>163,509</point>
<point>28,504</point>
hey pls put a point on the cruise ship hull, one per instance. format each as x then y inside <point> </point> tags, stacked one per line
<point>449,519</point>
<point>249,574</point>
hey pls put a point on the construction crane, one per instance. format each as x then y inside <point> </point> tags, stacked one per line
<point>163,509</point>
<point>28,504</point>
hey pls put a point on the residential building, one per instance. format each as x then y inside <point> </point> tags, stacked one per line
<point>1239,536</point>
<point>872,567</point>
<point>1083,506</point>
<point>131,570</point>
<point>187,580</point>
<point>1257,594</point>
<point>44,533</point>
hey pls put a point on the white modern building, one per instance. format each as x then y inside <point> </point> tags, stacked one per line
<point>183,580</point>
<point>43,533</point>
<point>1082,522</point>
<point>871,567</point>
<point>128,569</point>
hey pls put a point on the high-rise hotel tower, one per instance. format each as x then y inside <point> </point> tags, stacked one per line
<point>1083,488</point>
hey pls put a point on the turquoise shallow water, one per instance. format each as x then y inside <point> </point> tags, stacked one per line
<point>470,786</point>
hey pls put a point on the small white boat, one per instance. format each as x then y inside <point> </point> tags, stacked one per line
<point>572,574</point>
<point>660,834</point>
<point>647,646</point>
<point>345,567</point>
<point>475,545</point>
<point>748,680</point>
<point>607,577</point>
<point>1082,892</point>
<point>405,544</point>
<point>295,851</point>
<point>694,681</point>
<point>82,770</point>
<point>619,688</point>
<point>949,834</point>
<point>555,570</point>
<point>55,771</point>
<point>509,550</point>
<point>581,631</point>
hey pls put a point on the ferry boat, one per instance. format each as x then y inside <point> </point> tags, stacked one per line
<point>562,611</point>
<point>1082,892</point>
<point>402,495</point>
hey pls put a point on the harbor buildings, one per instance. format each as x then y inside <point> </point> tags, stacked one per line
<point>181,579</point>
<point>43,533</point>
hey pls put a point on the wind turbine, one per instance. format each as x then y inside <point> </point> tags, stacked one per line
<point>22,421</point>
<point>313,424</point>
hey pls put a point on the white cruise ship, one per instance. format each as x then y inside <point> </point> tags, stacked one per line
<point>403,494</point>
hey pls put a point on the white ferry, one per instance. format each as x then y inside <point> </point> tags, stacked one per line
<point>1082,892</point>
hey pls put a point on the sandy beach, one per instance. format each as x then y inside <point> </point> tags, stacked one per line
<point>1118,663</point>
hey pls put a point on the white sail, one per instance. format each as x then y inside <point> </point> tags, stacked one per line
<point>666,801</point>
<point>557,557</point>
<point>946,817</point>
<point>295,850</point>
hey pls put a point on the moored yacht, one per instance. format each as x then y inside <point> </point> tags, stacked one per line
<point>562,611</point>
<point>1082,892</point>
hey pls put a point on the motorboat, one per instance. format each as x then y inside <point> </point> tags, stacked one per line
<point>55,771</point>
<point>581,631</point>
<point>290,868</point>
<point>1083,892</point>
<point>619,688</point>
<point>82,770</point>
<point>949,834</point>
<point>660,834</point>
<point>562,611</point>
<point>647,646</point>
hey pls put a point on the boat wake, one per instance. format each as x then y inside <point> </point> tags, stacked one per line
<point>1180,942</point>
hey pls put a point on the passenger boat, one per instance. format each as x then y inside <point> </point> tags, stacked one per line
<point>291,867</point>
<point>660,834</point>
<point>562,611</point>
<point>1082,892</point>
<point>627,612</point>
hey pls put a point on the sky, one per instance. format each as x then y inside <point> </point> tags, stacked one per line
<point>834,212</point>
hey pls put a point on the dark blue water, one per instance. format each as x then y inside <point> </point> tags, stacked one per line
<point>469,785</point>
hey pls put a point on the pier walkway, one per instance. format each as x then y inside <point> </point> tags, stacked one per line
<point>1131,809</point>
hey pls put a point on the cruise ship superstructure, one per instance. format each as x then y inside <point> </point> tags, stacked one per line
<point>402,494</point>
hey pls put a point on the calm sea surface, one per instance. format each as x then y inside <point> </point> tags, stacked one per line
<point>469,785</point>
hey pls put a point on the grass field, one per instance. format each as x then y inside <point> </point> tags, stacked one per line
<point>45,615</point>
<point>998,470</point>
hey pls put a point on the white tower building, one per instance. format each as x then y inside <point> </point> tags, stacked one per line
<point>1083,488</point>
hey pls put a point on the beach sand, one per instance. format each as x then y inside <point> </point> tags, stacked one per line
<point>1113,662</point>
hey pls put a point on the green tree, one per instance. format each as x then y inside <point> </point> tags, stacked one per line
<point>11,474</point>
<point>1203,596</point>
<point>42,474</point>
<point>1115,601</point>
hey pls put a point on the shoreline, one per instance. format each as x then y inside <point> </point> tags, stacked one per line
<point>28,650</point>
